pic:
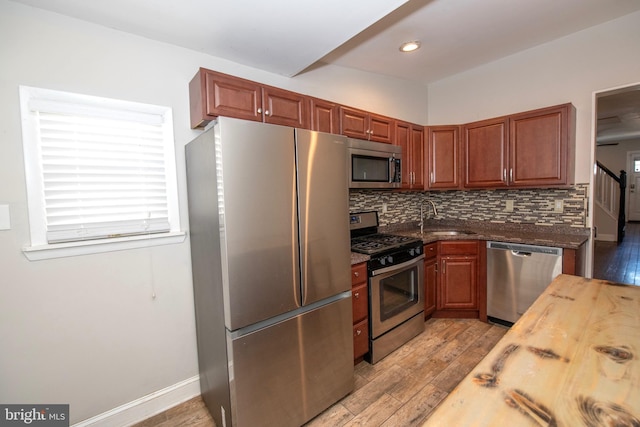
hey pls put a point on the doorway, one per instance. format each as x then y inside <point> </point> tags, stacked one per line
<point>633,185</point>
<point>617,146</point>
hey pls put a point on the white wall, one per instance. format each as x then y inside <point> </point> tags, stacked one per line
<point>570,69</point>
<point>86,330</point>
<point>614,157</point>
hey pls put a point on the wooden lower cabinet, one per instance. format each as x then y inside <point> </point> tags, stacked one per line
<point>458,282</point>
<point>461,279</point>
<point>360,301</point>
<point>430,278</point>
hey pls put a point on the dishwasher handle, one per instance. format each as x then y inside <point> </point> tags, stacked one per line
<point>520,253</point>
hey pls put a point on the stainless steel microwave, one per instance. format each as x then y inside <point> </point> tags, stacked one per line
<point>374,164</point>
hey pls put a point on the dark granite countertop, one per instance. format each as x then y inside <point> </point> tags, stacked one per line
<point>557,236</point>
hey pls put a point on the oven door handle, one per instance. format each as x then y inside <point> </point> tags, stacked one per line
<point>396,267</point>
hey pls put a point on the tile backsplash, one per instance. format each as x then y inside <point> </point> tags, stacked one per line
<point>529,206</point>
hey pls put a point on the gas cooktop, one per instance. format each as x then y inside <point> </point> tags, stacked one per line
<point>376,243</point>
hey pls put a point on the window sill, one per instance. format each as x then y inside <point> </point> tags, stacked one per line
<point>61,250</point>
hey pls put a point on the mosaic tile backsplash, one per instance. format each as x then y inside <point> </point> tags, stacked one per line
<point>530,206</point>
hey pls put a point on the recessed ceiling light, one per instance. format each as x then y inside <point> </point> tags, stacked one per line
<point>409,46</point>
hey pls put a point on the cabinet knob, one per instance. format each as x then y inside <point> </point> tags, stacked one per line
<point>355,273</point>
<point>358,332</point>
<point>267,113</point>
<point>356,295</point>
<point>259,110</point>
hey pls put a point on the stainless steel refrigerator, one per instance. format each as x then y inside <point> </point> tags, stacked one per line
<point>268,214</point>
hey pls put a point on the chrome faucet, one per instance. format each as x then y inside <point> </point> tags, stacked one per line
<point>435,213</point>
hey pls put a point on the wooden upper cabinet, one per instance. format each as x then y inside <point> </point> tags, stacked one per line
<point>485,153</point>
<point>213,94</point>
<point>531,149</point>
<point>410,138</point>
<point>541,147</point>
<point>364,125</point>
<point>325,116</point>
<point>443,157</point>
<point>282,107</point>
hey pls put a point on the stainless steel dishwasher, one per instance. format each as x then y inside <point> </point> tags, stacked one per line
<point>516,276</point>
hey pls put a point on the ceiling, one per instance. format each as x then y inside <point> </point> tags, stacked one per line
<point>618,116</point>
<point>288,37</point>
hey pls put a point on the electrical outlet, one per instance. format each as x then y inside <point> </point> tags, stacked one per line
<point>558,206</point>
<point>508,206</point>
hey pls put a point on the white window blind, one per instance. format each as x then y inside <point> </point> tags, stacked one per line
<point>103,169</point>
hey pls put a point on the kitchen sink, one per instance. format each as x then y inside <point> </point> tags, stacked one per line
<point>449,232</point>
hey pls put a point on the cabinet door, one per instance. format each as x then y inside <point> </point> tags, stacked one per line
<point>403,140</point>
<point>458,282</point>
<point>360,302</point>
<point>540,150</point>
<point>325,116</point>
<point>430,285</point>
<point>417,156</point>
<point>360,339</point>
<point>411,139</point>
<point>282,107</point>
<point>231,97</point>
<point>354,123</point>
<point>381,129</point>
<point>444,157</point>
<point>485,153</point>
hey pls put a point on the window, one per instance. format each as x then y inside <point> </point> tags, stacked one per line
<point>98,170</point>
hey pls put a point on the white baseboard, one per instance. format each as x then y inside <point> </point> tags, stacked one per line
<point>607,237</point>
<point>146,406</point>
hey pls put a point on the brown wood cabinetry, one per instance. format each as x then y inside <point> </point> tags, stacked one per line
<point>360,301</point>
<point>461,288</point>
<point>214,94</point>
<point>530,149</point>
<point>541,147</point>
<point>325,116</point>
<point>411,138</point>
<point>430,278</point>
<point>485,153</point>
<point>364,125</point>
<point>443,157</point>
<point>573,260</point>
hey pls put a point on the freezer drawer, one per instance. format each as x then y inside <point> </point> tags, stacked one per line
<point>286,374</point>
<point>517,275</point>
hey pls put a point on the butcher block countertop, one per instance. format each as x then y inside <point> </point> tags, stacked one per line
<point>571,360</point>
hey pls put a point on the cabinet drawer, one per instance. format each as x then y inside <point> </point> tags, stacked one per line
<point>459,247</point>
<point>358,274</point>
<point>360,301</point>
<point>360,339</point>
<point>430,250</point>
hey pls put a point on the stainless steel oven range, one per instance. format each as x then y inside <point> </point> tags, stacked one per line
<point>396,280</point>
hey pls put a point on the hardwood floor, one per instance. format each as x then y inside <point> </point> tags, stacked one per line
<point>400,390</point>
<point>619,263</point>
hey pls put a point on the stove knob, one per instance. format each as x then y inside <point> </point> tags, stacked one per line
<point>390,259</point>
<point>383,261</point>
<point>418,250</point>
<point>412,252</point>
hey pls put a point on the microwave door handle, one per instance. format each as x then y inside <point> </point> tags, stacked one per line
<point>396,177</point>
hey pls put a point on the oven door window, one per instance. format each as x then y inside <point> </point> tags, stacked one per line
<point>398,292</point>
<point>369,168</point>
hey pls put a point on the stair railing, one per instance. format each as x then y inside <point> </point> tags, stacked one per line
<point>610,195</point>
